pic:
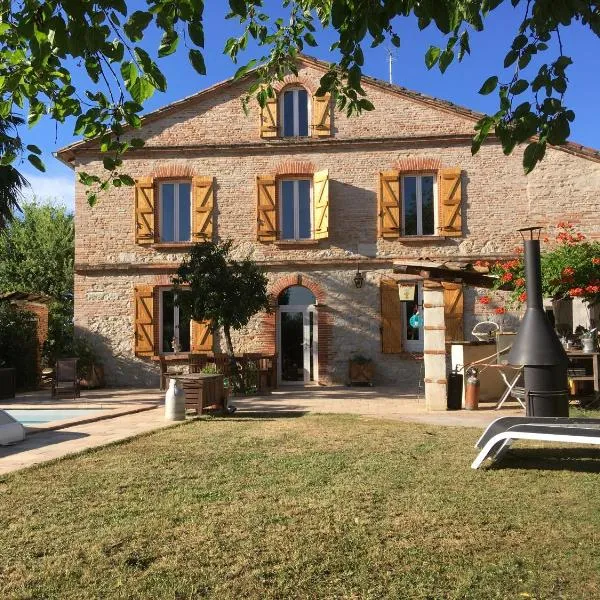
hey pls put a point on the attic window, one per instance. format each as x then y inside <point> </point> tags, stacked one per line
<point>294,112</point>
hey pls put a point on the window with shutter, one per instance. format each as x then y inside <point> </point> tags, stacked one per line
<point>144,320</point>
<point>453,311</point>
<point>389,204</point>
<point>202,337</point>
<point>175,211</point>
<point>391,321</point>
<point>321,204</point>
<point>418,204</point>
<point>203,207</point>
<point>266,209</point>
<point>268,118</point>
<point>450,208</point>
<point>144,211</point>
<point>294,112</point>
<point>322,115</point>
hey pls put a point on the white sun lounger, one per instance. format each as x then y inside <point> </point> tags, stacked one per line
<point>11,430</point>
<point>501,433</point>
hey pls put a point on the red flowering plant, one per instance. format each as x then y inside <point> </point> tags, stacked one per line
<point>570,269</point>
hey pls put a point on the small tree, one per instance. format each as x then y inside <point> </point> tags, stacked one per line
<point>225,291</point>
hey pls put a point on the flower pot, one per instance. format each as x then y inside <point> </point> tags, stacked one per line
<point>589,345</point>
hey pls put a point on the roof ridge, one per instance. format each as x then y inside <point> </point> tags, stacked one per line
<point>570,147</point>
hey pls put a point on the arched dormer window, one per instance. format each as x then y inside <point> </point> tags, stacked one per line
<point>294,111</point>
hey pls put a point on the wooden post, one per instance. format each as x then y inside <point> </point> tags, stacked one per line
<point>435,346</point>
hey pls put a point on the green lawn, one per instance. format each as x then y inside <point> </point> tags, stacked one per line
<point>310,507</point>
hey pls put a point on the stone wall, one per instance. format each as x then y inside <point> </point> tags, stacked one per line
<point>497,198</point>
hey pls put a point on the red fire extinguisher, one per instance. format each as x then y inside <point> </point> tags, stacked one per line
<point>472,389</point>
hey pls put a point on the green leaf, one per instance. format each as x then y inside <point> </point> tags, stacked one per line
<point>127,180</point>
<point>168,44</point>
<point>36,161</point>
<point>510,58</point>
<point>432,56</point>
<point>532,155</point>
<point>196,32</point>
<point>142,89</point>
<point>33,148</point>
<point>519,86</point>
<point>489,85</point>
<point>197,61</point>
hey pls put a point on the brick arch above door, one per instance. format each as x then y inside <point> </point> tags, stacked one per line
<point>268,335</point>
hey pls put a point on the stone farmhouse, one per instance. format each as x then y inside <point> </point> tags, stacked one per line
<point>312,196</point>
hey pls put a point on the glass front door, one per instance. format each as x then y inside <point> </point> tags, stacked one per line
<point>297,344</point>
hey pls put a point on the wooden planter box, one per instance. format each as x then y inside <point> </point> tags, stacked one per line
<point>361,373</point>
<point>7,383</point>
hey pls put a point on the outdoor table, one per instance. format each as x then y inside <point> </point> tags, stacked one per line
<point>203,391</point>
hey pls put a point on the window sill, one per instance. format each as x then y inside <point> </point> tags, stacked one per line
<point>172,245</point>
<point>170,357</point>
<point>421,238</point>
<point>298,243</point>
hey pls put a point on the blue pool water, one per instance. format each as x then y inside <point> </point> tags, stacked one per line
<point>36,416</point>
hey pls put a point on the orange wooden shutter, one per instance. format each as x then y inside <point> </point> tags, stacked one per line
<point>144,320</point>
<point>450,203</point>
<point>203,203</point>
<point>389,204</point>
<point>322,115</point>
<point>391,321</point>
<point>144,211</point>
<point>321,204</point>
<point>266,208</point>
<point>268,118</point>
<point>453,311</point>
<point>202,337</point>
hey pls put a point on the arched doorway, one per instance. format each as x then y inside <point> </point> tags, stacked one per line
<point>297,336</point>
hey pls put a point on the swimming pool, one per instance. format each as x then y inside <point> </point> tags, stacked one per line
<point>37,416</point>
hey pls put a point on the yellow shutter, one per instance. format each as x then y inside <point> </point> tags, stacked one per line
<point>268,118</point>
<point>453,311</point>
<point>321,204</point>
<point>144,210</point>
<point>391,321</point>
<point>266,208</point>
<point>450,203</point>
<point>322,115</point>
<point>203,203</point>
<point>202,337</point>
<point>144,320</point>
<point>389,204</point>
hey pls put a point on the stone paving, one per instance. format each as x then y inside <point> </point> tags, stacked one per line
<point>382,403</point>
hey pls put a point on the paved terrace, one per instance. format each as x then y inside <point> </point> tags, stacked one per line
<point>141,411</point>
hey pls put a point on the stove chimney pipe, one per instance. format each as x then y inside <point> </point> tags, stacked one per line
<point>537,347</point>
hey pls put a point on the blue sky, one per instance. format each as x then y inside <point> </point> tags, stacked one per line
<point>459,84</point>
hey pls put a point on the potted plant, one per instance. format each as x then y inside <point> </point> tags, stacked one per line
<point>90,371</point>
<point>361,370</point>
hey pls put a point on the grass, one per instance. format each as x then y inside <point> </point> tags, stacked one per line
<point>311,507</point>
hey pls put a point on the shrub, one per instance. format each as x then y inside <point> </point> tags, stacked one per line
<point>19,344</point>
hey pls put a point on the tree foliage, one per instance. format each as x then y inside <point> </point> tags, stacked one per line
<point>36,255</point>
<point>43,44</point>
<point>19,344</point>
<point>37,252</point>
<point>225,291</point>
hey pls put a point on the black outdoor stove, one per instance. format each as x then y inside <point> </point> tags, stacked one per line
<point>537,347</point>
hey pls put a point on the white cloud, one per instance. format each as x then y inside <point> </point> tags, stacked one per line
<point>58,189</point>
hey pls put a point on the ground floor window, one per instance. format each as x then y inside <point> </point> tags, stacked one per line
<point>412,322</point>
<point>174,323</point>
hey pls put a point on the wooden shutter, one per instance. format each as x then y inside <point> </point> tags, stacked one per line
<point>450,203</point>
<point>322,115</point>
<point>144,210</point>
<point>144,320</point>
<point>391,321</point>
<point>453,311</point>
<point>268,118</point>
<point>321,204</point>
<point>202,337</point>
<point>266,208</point>
<point>203,203</point>
<point>389,204</point>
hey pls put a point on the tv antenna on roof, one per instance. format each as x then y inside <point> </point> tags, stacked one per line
<point>391,59</point>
